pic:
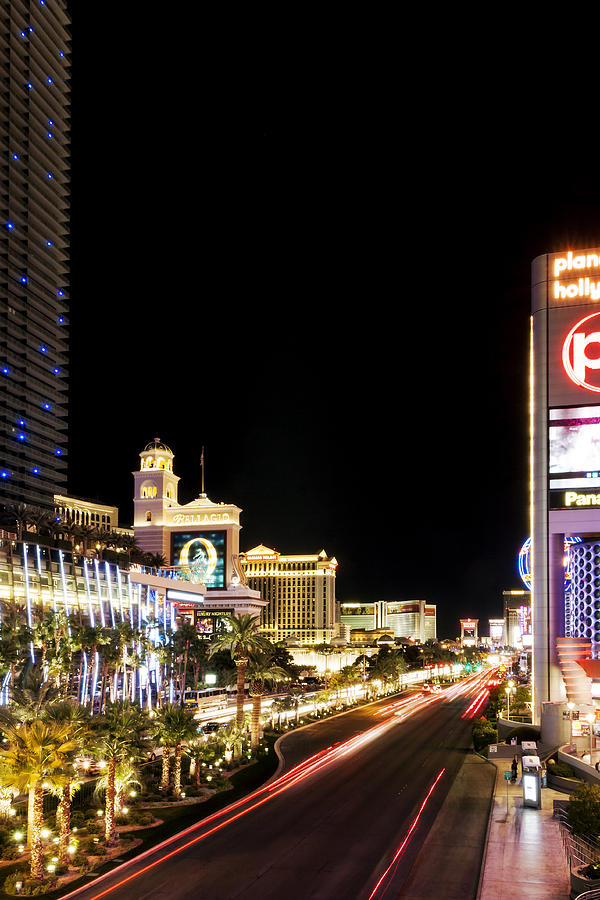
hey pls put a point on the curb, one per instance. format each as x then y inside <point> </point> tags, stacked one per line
<point>488,829</point>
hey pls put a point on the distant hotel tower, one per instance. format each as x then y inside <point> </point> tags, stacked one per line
<point>34,249</point>
<point>300,593</point>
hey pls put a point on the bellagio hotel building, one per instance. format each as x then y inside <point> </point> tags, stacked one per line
<point>300,591</point>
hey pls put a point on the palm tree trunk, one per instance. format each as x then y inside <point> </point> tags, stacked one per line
<point>166,759</point>
<point>241,683</point>
<point>255,726</point>
<point>185,662</point>
<point>64,823</point>
<point>109,809</point>
<point>36,799</point>
<point>177,771</point>
<point>30,815</point>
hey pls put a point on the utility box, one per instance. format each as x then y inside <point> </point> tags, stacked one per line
<point>532,781</point>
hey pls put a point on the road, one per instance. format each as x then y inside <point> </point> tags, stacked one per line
<point>348,823</point>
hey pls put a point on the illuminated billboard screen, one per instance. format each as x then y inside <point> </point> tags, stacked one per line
<point>200,556</point>
<point>574,447</point>
<point>212,622</point>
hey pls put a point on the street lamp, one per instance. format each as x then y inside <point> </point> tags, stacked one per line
<point>508,692</point>
<point>591,718</point>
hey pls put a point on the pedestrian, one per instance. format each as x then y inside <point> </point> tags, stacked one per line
<point>514,769</point>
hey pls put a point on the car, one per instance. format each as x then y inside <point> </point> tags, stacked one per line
<point>426,688</point>
<point>436,689</point>
<point>153,753</point>
<point>211,727</point>
<point>89,765</point>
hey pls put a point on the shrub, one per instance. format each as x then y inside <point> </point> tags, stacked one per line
<point>583,810</point>
<point>484,734</point>
<point>29,887</point>
<point>591,871</point>
<point>94,826</point>
<point>561,770</point>
<point>523,733</point>
<point>145,818</point>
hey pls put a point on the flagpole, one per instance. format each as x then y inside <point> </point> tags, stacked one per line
<point>202,467</point>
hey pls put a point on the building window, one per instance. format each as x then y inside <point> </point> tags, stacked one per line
<point>148,516</point>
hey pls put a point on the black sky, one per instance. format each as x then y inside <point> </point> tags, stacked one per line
<point>324,282</point>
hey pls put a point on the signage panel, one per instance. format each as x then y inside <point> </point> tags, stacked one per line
<point>211,622</point>
<point>574,356</point>
<point>574,450</point>
<point>200,556</point>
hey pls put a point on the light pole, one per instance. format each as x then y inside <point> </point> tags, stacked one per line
<point>570,707</point>
<point>508,692</point>
<point>591,718</point>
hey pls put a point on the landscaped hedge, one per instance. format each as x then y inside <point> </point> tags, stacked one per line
<point>523,733</point>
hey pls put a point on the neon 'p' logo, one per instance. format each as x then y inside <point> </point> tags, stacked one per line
<point>575,359</point>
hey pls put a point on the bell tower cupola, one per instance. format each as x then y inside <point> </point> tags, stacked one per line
<point>155,485</point>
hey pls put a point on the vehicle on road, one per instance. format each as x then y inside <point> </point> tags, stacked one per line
<point>153,752</point>
<point>205,700</point>
<point>211,727</point>
<point>88,765</point>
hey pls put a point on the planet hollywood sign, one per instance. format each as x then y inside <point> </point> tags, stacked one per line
<point>578,285</point>
<point>581,353</point>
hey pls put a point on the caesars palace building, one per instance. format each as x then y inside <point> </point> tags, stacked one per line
<point>565,475</point>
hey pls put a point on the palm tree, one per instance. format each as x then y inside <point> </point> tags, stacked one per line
<point>125,729</point>
<point>33,697</point>
<point>15,640</point>
<point>175,726</point>
<point>37,752</point>
<point>84,534</point>
<point>261,668</point>
<point>195,750</point>
<point>42,519</point>
<point>184,637</point>
<point>242,638</point>
<point>126,775</point>
<point>17,516</point>
<point>153,560</point>
<point>74,717</point>
<point>89,638</point>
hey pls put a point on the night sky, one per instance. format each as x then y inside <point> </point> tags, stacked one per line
<point>326,285</point>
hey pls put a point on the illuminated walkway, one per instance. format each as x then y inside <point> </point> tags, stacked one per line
<point>524,856</point>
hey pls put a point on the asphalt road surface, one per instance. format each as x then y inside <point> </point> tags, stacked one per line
<point>346,825</point>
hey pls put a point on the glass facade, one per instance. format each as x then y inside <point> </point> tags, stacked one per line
<point>34,249</point>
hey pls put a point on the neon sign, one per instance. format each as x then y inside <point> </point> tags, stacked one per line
<point>583,286</point>
<point>575,359</point>
<point>581,261</point>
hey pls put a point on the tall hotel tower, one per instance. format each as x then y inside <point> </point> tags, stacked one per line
<point>34,248</point>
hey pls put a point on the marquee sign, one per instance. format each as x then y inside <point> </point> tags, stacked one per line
<point>578,362</point>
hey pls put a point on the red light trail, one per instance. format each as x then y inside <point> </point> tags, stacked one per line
<point>396,712</point>
<point>404,843</point>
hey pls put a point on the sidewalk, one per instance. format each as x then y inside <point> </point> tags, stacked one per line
<point>523,855</point>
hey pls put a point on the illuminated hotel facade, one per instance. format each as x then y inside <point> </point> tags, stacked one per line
<point>34,246</point>
<point>517,618</point>
<point>199,541</point>
<point>36,579</point>
<point>415,619</point>
<point>299,591</point>
<point>565,463</point>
